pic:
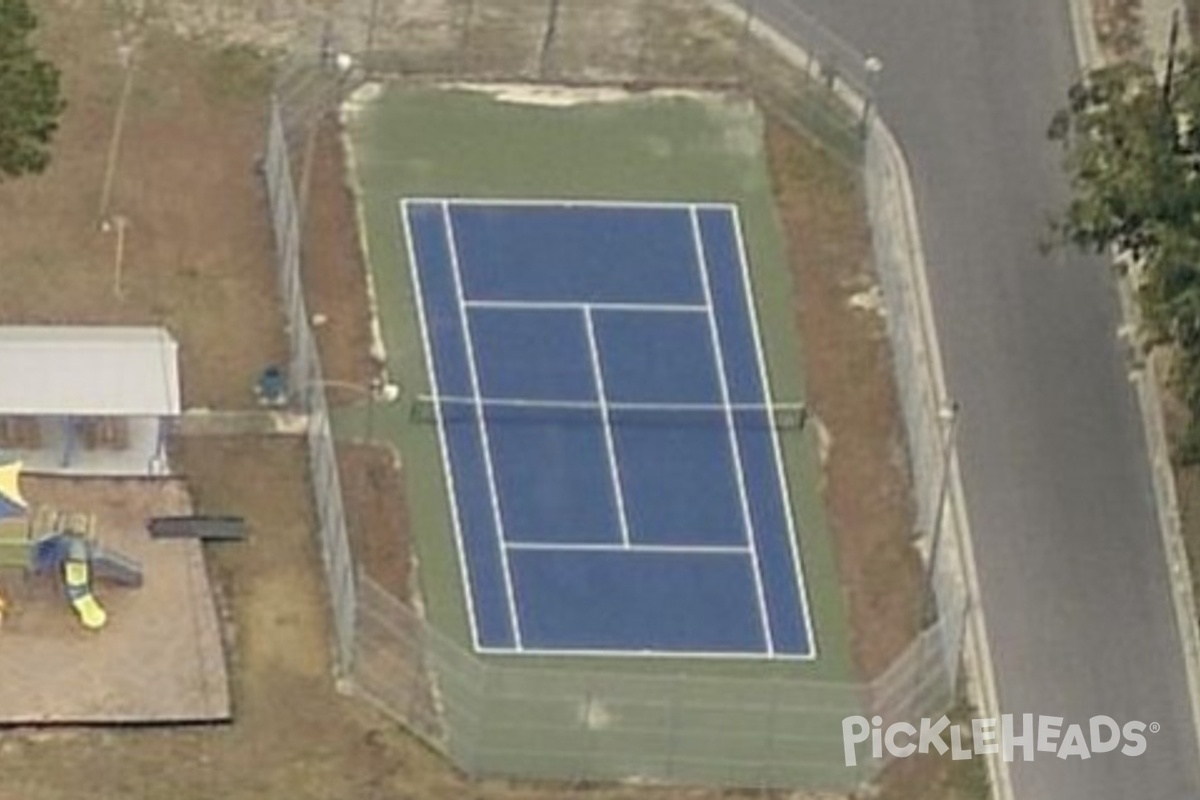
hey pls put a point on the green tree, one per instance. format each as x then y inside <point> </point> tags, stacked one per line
<point>30,100</point>
<point>1132,153</point>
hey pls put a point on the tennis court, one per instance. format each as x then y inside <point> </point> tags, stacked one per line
<point>609,437</point>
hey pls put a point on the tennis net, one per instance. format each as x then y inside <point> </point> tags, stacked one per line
<point>457,410</point>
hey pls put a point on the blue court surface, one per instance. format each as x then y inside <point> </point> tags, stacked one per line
<point>603,410</point>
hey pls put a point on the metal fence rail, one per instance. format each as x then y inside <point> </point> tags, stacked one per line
<point>494,717</point>
<point>928,411</point>
<point>306,380</point>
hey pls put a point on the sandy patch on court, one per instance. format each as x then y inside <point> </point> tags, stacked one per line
<point>567,96</point>
<point>358,101</point>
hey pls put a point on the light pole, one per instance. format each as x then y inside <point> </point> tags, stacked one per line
<point>873,67</point>
<point>948,419</point>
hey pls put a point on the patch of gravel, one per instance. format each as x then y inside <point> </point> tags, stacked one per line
<point>537,94</point>
<point>616,41</point>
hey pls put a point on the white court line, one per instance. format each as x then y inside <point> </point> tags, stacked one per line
<point>691,655</point>
<point>723,381</point>
<point>784,495</point>
<point>609,446</point>
<point>578,203</point>
<point>443,445</point>
<point>593,405</point>
<point>483,433</point>
<point>573,305</point>
<point>603,547</point>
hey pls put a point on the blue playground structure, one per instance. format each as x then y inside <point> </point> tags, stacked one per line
<point>47,541</point>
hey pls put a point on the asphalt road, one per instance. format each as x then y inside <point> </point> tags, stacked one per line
<point>1071,564</point>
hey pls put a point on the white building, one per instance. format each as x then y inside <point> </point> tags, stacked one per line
<point>87,400</point>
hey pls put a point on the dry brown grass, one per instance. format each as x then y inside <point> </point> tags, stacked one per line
<point>198,258</point>
<point>335,283</point>
<point>851,390</point>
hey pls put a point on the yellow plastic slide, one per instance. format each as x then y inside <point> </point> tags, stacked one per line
<point>77,576</point>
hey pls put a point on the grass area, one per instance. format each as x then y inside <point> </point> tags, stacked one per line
<point>196,255</point>
<point>852,394</point>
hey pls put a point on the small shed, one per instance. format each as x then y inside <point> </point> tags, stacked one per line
<point>87,400</point>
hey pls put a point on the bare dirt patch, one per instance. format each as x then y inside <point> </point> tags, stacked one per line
<point>336,287</point>
<point>197,256</point>
<point>850,388</point>
<point>335,279</point>
<point>377,516</point>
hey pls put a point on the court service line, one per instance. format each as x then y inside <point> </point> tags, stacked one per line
<point>765,377</point>
<point>594,405</point>
<point>691,655</point>
<point>723,383</point>
<point>489,468</point>
<point>435,389</point>
<point>609,445</point>
<point>645,547</point>
<point>583,305</point>
<point>573,203</point>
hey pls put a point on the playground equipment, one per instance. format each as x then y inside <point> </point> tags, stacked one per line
<point>49,541</point>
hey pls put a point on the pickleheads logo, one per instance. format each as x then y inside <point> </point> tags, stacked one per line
<point>1005,736</point>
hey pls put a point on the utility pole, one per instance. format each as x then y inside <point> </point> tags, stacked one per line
<point>1169,76</point>
<point>873,67</point>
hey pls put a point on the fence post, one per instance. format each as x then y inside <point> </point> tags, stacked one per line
<point>464,36</point>
<point>872,66</point>
<point>548,34</point>
<point>372,21</point>
<point>749,17</point>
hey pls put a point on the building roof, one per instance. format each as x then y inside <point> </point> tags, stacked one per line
<point>88,370</point>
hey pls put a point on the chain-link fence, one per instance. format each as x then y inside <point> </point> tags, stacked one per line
<point>308,383</point>
<point>631,43</point>
<point>499,717</point>
<point>929,414</point>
